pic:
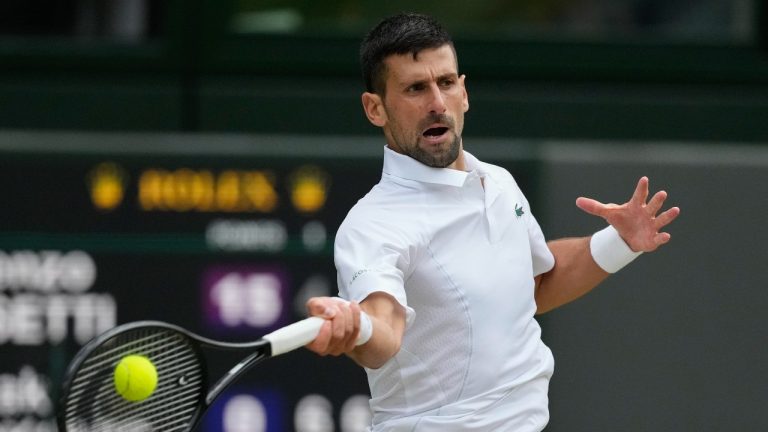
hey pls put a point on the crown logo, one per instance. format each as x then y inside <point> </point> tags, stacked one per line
<point>106,183</point>
<point>309,188</point>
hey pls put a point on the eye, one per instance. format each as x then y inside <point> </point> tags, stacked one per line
<point>415,88</point>
<point>447,82</point>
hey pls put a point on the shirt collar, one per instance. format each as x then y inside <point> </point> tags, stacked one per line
<point>406,167</point>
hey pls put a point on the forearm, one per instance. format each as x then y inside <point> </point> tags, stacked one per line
<point>388,322</point>
<point>575,273</point>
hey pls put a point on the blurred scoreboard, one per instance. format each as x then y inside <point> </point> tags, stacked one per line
<point>227,238</point>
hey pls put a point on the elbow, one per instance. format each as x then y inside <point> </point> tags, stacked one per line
<point>373,364</point>
<point>541,305</point>
<point>546,300</point>
<point>542,309</point>
<point>543,301</point>
<point>372,358</point>
<point>394,349</point>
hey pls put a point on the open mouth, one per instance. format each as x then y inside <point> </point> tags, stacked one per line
<point>435,131</point>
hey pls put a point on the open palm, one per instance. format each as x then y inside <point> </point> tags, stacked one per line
<point>636,221</point>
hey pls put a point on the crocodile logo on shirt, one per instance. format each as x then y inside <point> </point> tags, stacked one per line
<point>358,273</point>
<point>519,210</point>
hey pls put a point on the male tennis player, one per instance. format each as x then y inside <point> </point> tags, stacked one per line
<point>447,262</point>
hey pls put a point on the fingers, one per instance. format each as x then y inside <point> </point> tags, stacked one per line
<point>339,334</point>
<point>654,205</point>
<point>322,340</point>
<point>667,217</point>
<point>639,196</point>
<point>591,206</point>
<point>322,307</point>
<point>661,238</point>
<point>641,191</point>
<point>638,200</point>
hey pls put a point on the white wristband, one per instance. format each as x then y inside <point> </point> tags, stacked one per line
<point>366,328</point>
<point>609,250</point>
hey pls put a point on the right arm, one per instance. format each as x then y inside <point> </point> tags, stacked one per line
<point>338,335</point>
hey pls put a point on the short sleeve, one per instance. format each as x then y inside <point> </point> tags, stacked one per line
<point>371,257</point>
<point>543,260</point>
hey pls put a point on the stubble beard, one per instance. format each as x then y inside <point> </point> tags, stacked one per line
<point>440,159</point>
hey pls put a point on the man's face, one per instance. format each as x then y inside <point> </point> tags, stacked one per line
<point>422,111</point>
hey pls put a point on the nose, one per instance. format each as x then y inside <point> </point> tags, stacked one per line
<point>437,100</point>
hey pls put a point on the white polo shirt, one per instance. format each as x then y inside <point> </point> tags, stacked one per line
<point>460,255</point>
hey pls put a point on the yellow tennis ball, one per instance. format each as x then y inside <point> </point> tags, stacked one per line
<point>135,378</point>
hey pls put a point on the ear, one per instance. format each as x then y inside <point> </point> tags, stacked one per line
<point>374,109</point>
<point>465,100</point>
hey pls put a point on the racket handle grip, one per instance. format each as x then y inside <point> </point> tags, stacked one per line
<point>302,332</point>
<point>295,335</point>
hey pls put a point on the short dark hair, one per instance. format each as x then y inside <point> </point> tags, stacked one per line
<point>399,34</point>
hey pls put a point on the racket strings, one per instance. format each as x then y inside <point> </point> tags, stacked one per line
<point>92,367</point>
<point>93,404</point>
<point>178,397</point>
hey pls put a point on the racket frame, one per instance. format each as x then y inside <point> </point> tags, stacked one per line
<point>262,351</point>
<point>278,342</point>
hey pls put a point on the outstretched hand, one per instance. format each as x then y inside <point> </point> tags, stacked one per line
<point>636,221</point>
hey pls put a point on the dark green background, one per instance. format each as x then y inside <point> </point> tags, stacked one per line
<point>193,73</point>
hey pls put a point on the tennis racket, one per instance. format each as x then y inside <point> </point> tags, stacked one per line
<point>89,401</point>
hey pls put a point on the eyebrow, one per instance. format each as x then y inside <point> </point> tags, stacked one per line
<point>447,75</point>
